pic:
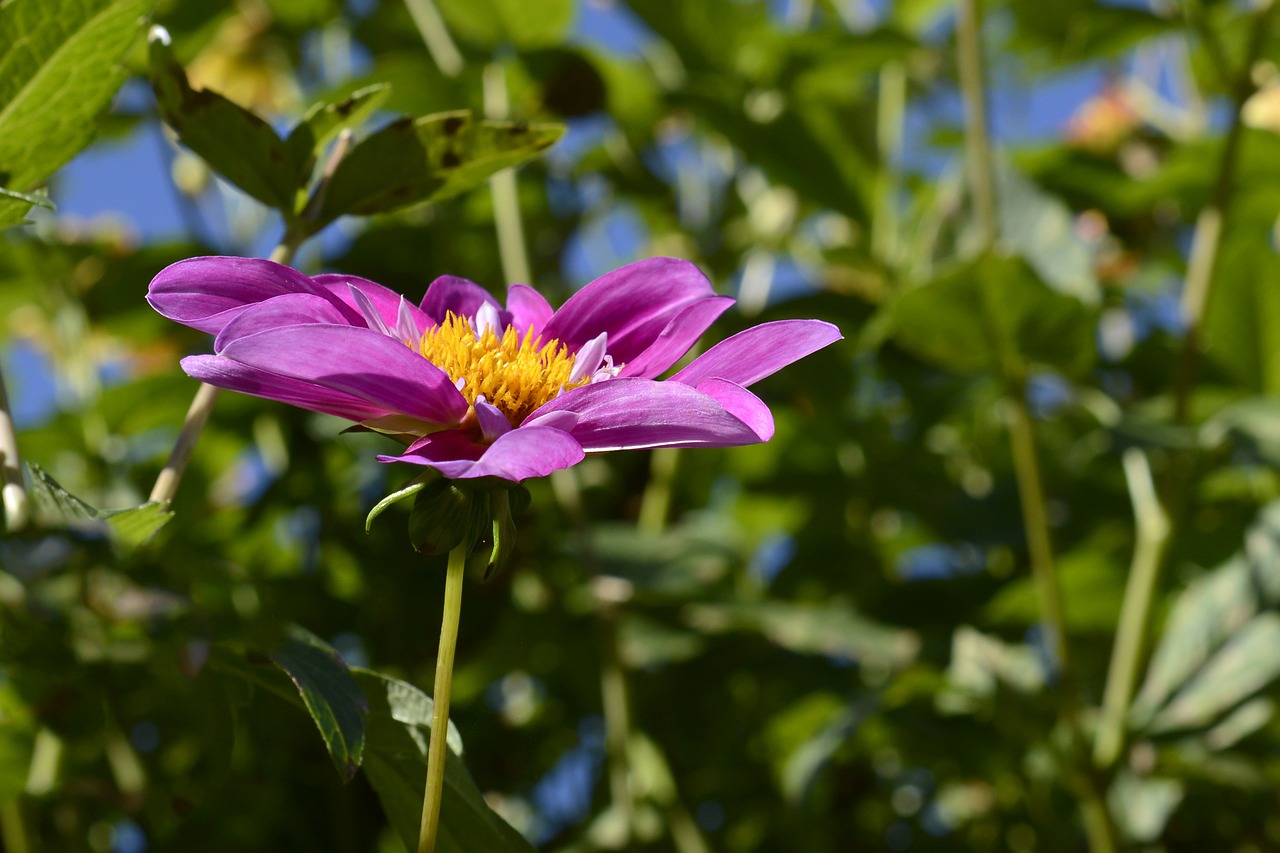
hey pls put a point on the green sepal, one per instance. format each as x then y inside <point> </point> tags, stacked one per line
<point>446,515</point>
<point>415,485</point>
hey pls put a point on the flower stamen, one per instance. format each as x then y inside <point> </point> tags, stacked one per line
<point>515,373</point>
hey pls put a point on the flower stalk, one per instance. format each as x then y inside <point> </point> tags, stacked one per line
<point>438,749</point>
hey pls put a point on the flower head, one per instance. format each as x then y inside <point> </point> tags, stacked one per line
<point>481,390</point>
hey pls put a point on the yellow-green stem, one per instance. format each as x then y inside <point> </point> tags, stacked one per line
<point>503,186</point>
<point>1153,533</point>
<point>13,828</point>
<point>17,508</point>
<point>166,485</point>
<point>438,749</point>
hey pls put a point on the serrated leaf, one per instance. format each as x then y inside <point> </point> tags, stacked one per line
<point>431,159</point>
<point>399,730</point>
<point>14,206</point>
<point>56,507</point>
<point>235,142</point>
<point>981,314</point>
<point>59,68</point>
<point>330,694</point>
<point>136,526</point>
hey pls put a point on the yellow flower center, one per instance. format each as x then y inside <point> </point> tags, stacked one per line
<point>515,374</point>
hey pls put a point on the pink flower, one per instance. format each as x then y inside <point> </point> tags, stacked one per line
<point>479,390</point>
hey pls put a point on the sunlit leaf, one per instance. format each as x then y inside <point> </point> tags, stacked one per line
<point>436,157</point>
<point>59,68</point>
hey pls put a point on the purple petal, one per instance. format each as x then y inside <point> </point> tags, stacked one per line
<point>528,309</point>
<point>675,340</point>
<point>742,404</point>
<point>621,414</point>
<point>292,309</point>
<point>448,293</point>
<point>206,293</point>
<point>633,304</point>
<point>387,301</point>
<point>760,351</point>
<point>493,424</point>
<point>563,421</point>
<point>234,376</point>
<point>522,453</point>
<point>360,362</point>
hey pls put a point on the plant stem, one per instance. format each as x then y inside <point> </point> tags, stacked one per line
<point>166,485</point>
<point>655,503</point>
<point>1035,520</point>
<point>13,494</point>
<point>436,36</point>
<point>977,148</point>
<point>1153,534</point>
<point>438,749</point>
<point>890,108</point>
<point>506,196</point>
<point>1211,223</point>
<point>1096,818</point>
<point>13,828</point>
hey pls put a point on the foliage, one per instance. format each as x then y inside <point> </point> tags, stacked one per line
<point>844,639</point>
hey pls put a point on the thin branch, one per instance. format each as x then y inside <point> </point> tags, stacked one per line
<point>436,36</point>
<point>1210,226</point>
<point>17,508</point>
<point>1153,534</point>
<point>506,197</point>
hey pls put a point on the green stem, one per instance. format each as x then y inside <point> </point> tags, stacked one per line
<point>890,109</point>
<point>1153,534</point>
<point>655,503</point>
<point>436,36</point>
<point>1035,520</point>
<point>13,494</point>
<point>977,148</point>
<point>1096,818</point>
<point>13,828</point>
<point>506,196</point>
<point>1211,223</point>
<point>617,721</point>
<point>166,485</point>
<point>438,750</point>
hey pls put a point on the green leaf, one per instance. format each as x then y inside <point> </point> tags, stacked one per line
<point>330,694</point>
<point>493,23</point>
<point>399,730</point>
<point>1218,646</point>
<point>59,68</point>
<point>56,507</point>
<point>235,142</point>
<point>986,313</point>
<point>417,485</point>
<point>804,736</point>
<point>436,157</point>
<point>15,205</point>
<point>831,628</point>
<point>136,526</point>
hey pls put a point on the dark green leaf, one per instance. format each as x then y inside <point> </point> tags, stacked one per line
<point>56,507</point>
<point>399,730</point>
<point>59,68</point>
<point>325,120</point>
<point>992,313</point>
<point>330,694</point>
<point>235,142</point>
<point>436,157</point>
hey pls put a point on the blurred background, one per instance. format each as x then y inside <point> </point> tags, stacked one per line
<point>1047,233</point>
